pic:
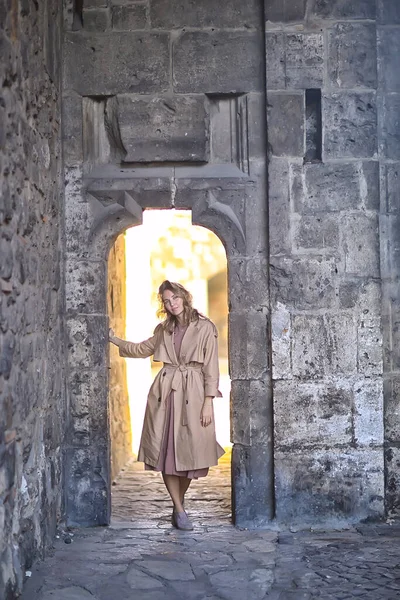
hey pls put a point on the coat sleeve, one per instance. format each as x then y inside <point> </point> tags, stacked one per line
<point>140,349</point>
<point>211,365</point>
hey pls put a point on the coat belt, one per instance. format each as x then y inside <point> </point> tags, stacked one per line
<point>179,380</point>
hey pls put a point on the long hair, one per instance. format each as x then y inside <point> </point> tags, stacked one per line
<point>189,313</point>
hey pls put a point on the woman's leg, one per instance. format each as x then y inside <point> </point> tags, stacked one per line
<point>184,483</point>
<point>173,486</point>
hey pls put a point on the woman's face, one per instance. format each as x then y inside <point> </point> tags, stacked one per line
<point>172,303</point>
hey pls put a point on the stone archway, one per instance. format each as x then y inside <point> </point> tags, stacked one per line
<point>225,205</point>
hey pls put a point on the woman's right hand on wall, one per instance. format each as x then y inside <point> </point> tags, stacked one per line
<point>111,335</point>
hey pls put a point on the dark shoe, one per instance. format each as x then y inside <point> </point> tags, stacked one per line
<point>182,521</point>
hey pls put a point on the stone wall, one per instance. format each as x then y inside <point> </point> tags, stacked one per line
<point>164,107</point>
<point>32,398</point>
<point>389,157</point>
<point>120,418</point>
<point>324,144</point>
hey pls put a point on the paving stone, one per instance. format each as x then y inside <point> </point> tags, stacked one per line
<point>69,593</point>
<point>139,580</point>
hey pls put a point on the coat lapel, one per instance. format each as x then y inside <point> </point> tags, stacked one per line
<point>188,339</point>
<point>168,341</point>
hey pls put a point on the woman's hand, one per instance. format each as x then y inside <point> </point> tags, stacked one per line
<point>111,335</point>
<point>206,414</point>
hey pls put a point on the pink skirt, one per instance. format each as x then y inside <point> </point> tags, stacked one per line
<point>166,462</point>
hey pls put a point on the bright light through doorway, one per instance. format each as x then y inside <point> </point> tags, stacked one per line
<point>168,246</point>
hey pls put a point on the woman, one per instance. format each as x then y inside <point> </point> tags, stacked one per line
<point>178,436</point>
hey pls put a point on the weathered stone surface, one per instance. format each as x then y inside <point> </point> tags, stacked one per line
<point>86,335</point>
<point>286,124</point>
<point>250,331</point>
<point>163,129</point>
<point>96,19</point>
<point>390,187</point>
<point>350,129</point>
<point>341,9</point>
<point>334,187</point>
<point>389,46</point>
<point>242,273</point>
<point>389,136</point>
<point>279,207</point>
<point>84,283</point>
<point>312,415</point>
<point>303,283</point>
<point>234,56</point>
<point>68,593</point>
<point>328,481</point>
<point>72,130</point>
<point>368,410</point>
<point>32,353</point>
<point>352,58</point>
<point>324,345</point>
<point>136,62</point>
<point>129,18</point>
<point>388,12</point>
<point>281,342</point>
<point>308,71</point>
<point>360,245</point>
<point>251,420</point>
<point>392,408</point>
<point>319,232</point>
<point>285,10</point>
<point>178,14</point>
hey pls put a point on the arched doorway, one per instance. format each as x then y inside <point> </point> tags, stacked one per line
<point>169,246</point>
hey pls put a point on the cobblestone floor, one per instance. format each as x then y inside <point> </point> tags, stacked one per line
<point>142,557</point>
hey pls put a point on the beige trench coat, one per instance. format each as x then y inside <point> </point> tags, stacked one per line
<point>192,377</point>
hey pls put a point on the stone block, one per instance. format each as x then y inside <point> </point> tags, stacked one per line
<point>389,48</point>
<point>341,9</point>
<point>389,131</point>
<point>275,60</point>
<point>84,286</point>
<point>251,412</point>
<point>72,130</point>
<point>370,352</point>
<point>304,67</point>
<point>363,295</point>
<point>390,187</point>
<point>312,415</point>
<point>285,11</point>
<point>315,232</point>
<point>352,55</point>
<point>129,18</point>
<point>257,126</point>
<point>252,496</point>
<point>177,14</point>
<point>86,336</point>
<point>163,129</point>
<point>279,206</point>
<point>96,19</point>
<point>88,486</point>
<point>370,185</point>
<point>255,203</point>
<point>248,283</point>
<point>324,345</point>
<point>360,244</point>
<point>285,124</point>
<point>329,486</point>
<point>392,473</point>
<point>350,125</point>
<point>303,283</point>
<point>392,408</point>
<point>388,12</point>
<point>331,187</point>
<point>226,62</point>
<point>248,358</point>
<point>136,63</point>
<point>281,342</point>
<point>368,410</point>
